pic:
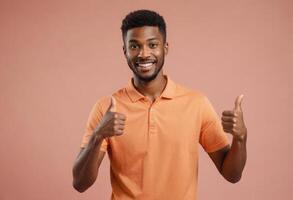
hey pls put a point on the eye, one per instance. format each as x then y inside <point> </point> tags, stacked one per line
<point>153,45</point>
<point>133,46</point>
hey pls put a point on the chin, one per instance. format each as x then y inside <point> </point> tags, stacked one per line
<point>148,78</point>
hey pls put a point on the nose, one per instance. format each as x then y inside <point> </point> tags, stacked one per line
<point>144,52</point>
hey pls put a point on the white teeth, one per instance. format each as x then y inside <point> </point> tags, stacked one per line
<point>145,64</point>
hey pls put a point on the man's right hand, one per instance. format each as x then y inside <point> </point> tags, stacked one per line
<point>112,123</point>
<point>86,166</point>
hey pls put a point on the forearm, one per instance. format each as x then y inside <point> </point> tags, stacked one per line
<point>235,160</point>
<point>86,166</point>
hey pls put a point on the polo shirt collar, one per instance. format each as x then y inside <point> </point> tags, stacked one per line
<point>168,93</point>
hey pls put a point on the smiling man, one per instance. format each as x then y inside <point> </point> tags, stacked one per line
<point>152,128</point>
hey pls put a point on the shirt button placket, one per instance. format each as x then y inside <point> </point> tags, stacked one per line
<point>152,124</point>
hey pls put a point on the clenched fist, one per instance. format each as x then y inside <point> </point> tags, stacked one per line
<point>233,122</point>
<point>112,123</point>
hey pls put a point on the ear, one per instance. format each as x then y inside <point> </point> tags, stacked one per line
<point>124,50</point>
<point>166,48</point>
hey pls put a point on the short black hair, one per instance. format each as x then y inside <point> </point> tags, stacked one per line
<point>141,18</point>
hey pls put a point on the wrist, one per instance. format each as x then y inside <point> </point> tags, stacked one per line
<point>99,136</point>
<point>96,139</point>
<point>240,138</point>
<point>97,133</point>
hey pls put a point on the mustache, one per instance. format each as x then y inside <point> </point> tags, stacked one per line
<point>142,61</point>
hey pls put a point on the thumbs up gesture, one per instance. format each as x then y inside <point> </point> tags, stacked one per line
<point>112,123</point>
<point>233,122</point>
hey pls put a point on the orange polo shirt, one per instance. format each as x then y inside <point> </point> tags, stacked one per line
<point>157,156</point>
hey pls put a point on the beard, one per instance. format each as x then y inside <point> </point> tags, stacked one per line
<point>147,78</point>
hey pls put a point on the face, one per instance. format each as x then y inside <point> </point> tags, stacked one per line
<point>145,50</point>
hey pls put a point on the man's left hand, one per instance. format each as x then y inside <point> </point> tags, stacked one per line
<point>233,122</point>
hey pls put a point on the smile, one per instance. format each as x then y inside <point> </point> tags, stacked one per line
<point>145,66</point>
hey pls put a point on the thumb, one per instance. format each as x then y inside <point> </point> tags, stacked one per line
<point>238,102</point>
<point>112,107</point>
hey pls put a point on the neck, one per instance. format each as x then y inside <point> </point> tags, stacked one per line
<point>152,89</point>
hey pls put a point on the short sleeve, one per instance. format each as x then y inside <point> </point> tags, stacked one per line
<point>94,119</point>
<point>212,135</point>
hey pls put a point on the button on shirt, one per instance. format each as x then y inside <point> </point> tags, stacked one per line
<point>157,156</point>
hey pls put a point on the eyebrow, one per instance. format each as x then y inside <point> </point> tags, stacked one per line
<point>150,39</point>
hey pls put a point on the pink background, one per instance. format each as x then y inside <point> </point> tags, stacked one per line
<point>57,57</point>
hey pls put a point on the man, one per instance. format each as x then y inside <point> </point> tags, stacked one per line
<point>151,128</point>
